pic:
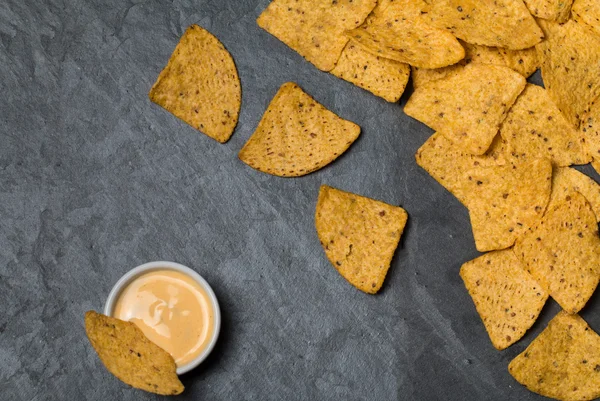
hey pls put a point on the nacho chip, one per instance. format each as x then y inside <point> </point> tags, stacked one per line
<point>587,12</point>
<point>359,235</point>
<point>525,61</point>
<point>315,28</point>
<point>504,201</point>
<point>590,127</point>
<point>571,67</point>
<point>297,135</point>
<point>498,23</point>
<point>128,354</point>
<point>200,85</point>
<point>383,77</point>
<point>534,128</point>
<point>553,10</point>
<point>563,252</point>
<point>596,165</point>
<point>507,298</point>
<point>563,362</point>
<point>395,31</point>
<point>566,180</point>
<point>469,106</point>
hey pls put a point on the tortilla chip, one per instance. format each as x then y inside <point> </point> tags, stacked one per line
<point>566,180</point>
<point>315,28</point>
<point>587,12</point>
<point>395,31</point>
<point>590,127</point>
<point>383,77</point>
<point>469,106</point>
<point>571,67</point>
<point>128,354</point>
<point>553,10</point>
<point>297,135</point>
<point>359,235</point>
<point>497,23</point>
<point>596,165</point>
<point>563,362</point>
<point>200,85</point>
<point>525,61</point>
<point>535,127</point>
<point>504,201</point>
<point>507,298</point>
<point>563,252</point>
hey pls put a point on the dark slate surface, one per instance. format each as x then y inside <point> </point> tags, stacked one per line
<point>94,180</point>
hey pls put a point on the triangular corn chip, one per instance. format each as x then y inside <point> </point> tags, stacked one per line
<point>359,235</point>
<point>566,180</point>
<point>507,298</point>
<point>563,362</point>
<point>297,135</point>
<point>587,12</point>
<point>525,61</point>
<point>553,10</point>
<point>590,127</point>
<point>200,85</point>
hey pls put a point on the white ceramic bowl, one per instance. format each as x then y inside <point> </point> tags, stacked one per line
<point>161,265</point>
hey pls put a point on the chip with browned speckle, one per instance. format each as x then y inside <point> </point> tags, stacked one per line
<point>525,61</point>
<point>566,180</point>
<point>562,252</point>
<point>129,355</point>
<point>587,12</point>
<point>563,362</point>
<point>315,28</point>
<point>553,10</point>
<point>297,135</point>
<point>507,298</point>
<point>381,76</point>
<point>359,235</point>
<point>200,85</point>
<point>590,127</point>
<point>469,106</point>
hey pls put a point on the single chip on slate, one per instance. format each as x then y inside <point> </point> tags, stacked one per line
<point>507,298</point>
<point>297,135</point>
<point>469,106</point>
<point>566,180</point>
<point>359,235</point>
<point>563,362</point>
<point>553,10</point>
<point>129,355</point>
<point>315,28</point>
<point>563,252</point>
<point>200,85</point>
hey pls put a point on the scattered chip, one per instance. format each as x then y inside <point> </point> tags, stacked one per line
<point>507,298</point>
<point>297,135</point>
<point>469,106</point>
<point>395,31</point>
<point>498,23</point>
<point>130,356</point>
<point>563,252</point>
<point>596,165</point>
<point>504,201</point>
<point>590,126</point>
<point>535,127</point>
<point>383,77</point>
<point>587,12</point>
<point>315,28</point>
<point>525,61</point>
<point>566,180</point>
<point>563,362</point>
<point>571,67</point>
<point>359,235</point>
<point>200,85</point>
<point>553,10</point>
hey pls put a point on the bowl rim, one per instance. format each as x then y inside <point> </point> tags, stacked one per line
<point>166,265</point>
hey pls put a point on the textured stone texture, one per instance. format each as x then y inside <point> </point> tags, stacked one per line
<point>95,179</point>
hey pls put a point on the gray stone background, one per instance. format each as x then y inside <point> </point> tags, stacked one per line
<point>95,179</point>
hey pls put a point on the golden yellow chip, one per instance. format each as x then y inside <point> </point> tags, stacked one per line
<point>200,85</point>
<point>359,235</point>
<point>553,10</point>
<point>507,298</point>
<point>596,165</point>
<point>590,127</point>
<point>563,362</point>
<point>525,61</point>
<point>297,135</point>
<point>535,127</point>
<point>566,180</point>
<point>504,201</point>
<point>383,77</point>
<point>498,23</point>
<point>130,356</point>
<point>315,28</point>
<point>563,252</point>
<point>571,67</point>
<point>587,12</point>
<point>469,106</point>
<point>395,31</point>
